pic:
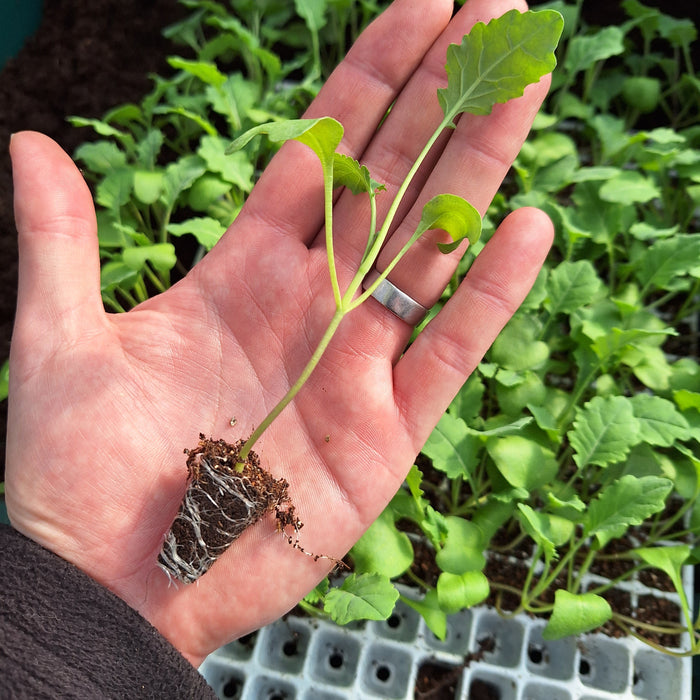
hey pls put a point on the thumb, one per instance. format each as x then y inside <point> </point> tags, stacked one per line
<point>58,292</point>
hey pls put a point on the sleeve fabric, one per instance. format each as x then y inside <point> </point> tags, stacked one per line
<point>63,635</point>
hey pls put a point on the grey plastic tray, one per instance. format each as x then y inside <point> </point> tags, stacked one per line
<point>305,659</point>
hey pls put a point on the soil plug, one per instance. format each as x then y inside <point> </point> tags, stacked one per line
<point>221,501</point>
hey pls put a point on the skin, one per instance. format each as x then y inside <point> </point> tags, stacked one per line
<point>102,405</point>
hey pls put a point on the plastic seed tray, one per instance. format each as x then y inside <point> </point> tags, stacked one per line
<point>484,657</point>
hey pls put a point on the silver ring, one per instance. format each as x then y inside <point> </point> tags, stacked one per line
<point>398,302</point>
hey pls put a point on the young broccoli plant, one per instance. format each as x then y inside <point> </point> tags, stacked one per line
<point>493,64</point>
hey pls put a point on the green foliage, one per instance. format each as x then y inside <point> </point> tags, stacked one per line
<point>581,425</point>
<point>580,428</point>
<point>165,187</point>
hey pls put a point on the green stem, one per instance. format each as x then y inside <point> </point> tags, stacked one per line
<point>346,302</point>
<point>306,373</point>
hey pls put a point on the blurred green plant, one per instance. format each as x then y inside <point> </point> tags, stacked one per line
<point>576,440</point>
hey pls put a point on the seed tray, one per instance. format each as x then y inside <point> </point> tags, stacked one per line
<point>483,656</point>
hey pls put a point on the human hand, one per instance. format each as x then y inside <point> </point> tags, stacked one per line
<point>102,405</point>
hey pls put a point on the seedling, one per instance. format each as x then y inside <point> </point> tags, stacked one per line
<point>493,64</point>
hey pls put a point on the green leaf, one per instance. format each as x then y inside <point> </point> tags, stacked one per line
<point>455,216</point>
<point>160,255</point>
<point>206,230</point>
<point>115,274</point>
<point>322,135</point>
<point>103,129</point>
<point>451,448</point>
<point>383,549</point>
<point>179,176</point>
<point>430,610</point>
<point>206,71</point>
<point>629,187</point>
<point>313,12</point>
<point>347,172</point>
<point>572,285</point>
<point>434,525</point>
<point>463,548</point>
<point>235,168</point>
<point>523,463</point>
<point>548,530</point>
<point>687,399</point>
<point>584,51</point>
<point>101,156</point>
<point>517,347</point>
<point>149,147</point>
<point>604,431</point>
<point>4,379</point>
<point>660,266</point>
<point>206,190</point>
<point>115,190</point>
<point>624,503</point>
<point>363,597</point>
<point>148,185</point>
<point>319,593</point>
<point>668,558</point>
<point>414,478</point>
<point>660,422</point>
<point>456,592</point>
<point>575,614</point>
<point>496,61</point>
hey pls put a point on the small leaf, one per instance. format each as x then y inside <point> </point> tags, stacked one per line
<point>571,285</point>
<point>363,597</point>
<point>629,187</point>
<point>179,176</point>
<point>313,12</point>
<point>451,447</point>
<point>4,379</point>
<point>604,431</point>
<point>669,559</point>
<point>455,216</point>
<point>584,51</point>
<point>496,61</point>
<point>383,549</point>
<point>319,593</point>
<point>549,531</point>
<point>430,610</point>
<point>160,255</point>
<point>626,502</point>
<point>574,614</point>
<point>660,422</point>
<point>517,348</point>
<point>347,172</point>
<point>322,135</point>
<point>456,592</point>
<point>206,71</point>
<point>101,156</point>
<point>666,260</point>
<point>206,230</point>
<point>235,168</point>
<point>524,463</point>
<point>115,190</point>
<point>115,274</point>
<point>103,129</point>
<point>206,190</point>
<point>148,185</point>
<point>463,549</point>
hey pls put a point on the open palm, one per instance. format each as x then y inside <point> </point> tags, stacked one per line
<point>102,405</point>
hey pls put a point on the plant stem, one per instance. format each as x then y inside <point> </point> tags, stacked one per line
<point>345,303</point>
<point>306,373</point>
